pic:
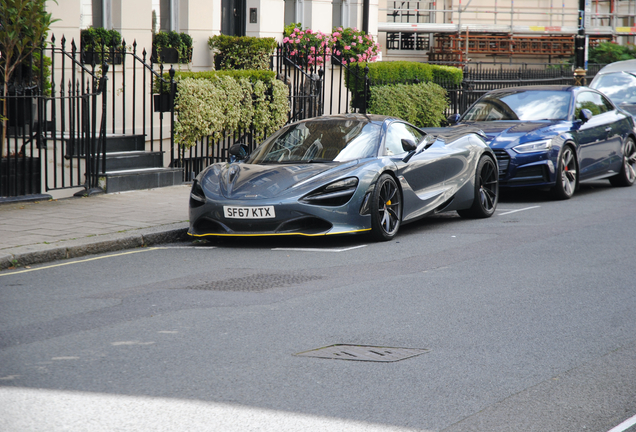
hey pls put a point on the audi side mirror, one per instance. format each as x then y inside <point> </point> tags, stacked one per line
<point>585,115</point>
<point>453,119</point>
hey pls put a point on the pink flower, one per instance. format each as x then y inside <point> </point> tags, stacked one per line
<point>352,60</point>
<point>344,62</point>
<point>335,34</point>
<point>286,40</point>
<point>347,47</point>
<point>353,44</point>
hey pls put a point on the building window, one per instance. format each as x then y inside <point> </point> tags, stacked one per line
<point>96,13</point>
<point>409,12</point>
<point>164,15</point>
<point>407,41</point>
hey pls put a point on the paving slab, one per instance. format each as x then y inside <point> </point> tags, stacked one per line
<point>44,231</point>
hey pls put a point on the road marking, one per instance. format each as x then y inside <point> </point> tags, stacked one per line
<point>77,262</point>
<point>318,249</point>
<point>185,247</point>
<point>625,425</point>
<point>515,211</point>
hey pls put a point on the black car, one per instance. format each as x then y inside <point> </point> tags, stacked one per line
<point>555,137</point>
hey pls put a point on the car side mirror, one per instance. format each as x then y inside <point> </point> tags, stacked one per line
<point>408,145</point>
<point>453,119</point>
<point>238,152</point>
<point>585,115</point>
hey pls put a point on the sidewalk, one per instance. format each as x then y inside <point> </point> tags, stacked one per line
<point>37,232</point>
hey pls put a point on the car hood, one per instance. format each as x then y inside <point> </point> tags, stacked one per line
<point>247,181</point>
<point>505,134</point>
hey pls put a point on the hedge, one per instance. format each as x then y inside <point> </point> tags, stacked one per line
<point>266,76</point>
<point>398,72</point>
<point>241,52</point>
<point>422,104</point>
<point>402,71</point>
<point>208,107</point>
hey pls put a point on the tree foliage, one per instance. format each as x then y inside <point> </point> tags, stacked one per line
<point>24,25</point>
<point>610,52</point>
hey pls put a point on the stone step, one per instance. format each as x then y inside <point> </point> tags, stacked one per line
<point>148,178</point>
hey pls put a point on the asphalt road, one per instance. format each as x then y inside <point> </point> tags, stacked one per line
<point>522,322</point>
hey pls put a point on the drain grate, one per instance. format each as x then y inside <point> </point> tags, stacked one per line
<point>363,353</point>
<point>253,283</point>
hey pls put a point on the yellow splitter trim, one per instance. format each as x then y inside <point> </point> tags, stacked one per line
<point>278,234</point>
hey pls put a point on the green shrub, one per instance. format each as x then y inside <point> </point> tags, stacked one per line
<point>610,52</point>
<point>182,42</point>
<point>93,38</point>
<point>210,106</point>
<point>241,52</point>
<point>289,28</point>
<point>401,72</point>
<point>420,104</point>
<point>381,73</point>
<point>266,76</point>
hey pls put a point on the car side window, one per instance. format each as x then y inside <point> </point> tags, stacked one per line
<point>396,132</point>
<point>608,105</point>
<point>592,101</point>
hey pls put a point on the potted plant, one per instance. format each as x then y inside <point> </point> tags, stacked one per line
<point>99,45</point>
<point>308,47</point>
<point>171,47</point>
<point>353,46</point>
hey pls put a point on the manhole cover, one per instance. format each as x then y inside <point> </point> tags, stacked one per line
<point>362,353</point>
<point>256,282</point>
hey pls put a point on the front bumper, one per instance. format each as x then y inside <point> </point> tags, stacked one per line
<point>292,218</point>
<point>533,169</point>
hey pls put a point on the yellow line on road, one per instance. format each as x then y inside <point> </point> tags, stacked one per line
<point>77,262</point>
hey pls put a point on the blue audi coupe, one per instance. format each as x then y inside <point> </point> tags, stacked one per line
<point>554,137</point>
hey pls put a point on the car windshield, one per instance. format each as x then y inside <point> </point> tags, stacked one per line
<point>329,140</point>
<point>525,105</point>
<point>619,87</point>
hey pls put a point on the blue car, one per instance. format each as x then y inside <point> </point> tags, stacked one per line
<point>555,137</point>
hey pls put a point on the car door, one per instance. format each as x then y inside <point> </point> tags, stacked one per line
<point>424,172</point>
<point>597,136</point>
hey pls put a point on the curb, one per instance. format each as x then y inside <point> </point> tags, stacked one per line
<point>42,253</point>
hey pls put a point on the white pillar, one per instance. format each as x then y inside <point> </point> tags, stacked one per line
<point>317,14</point>
<point>270,18</point>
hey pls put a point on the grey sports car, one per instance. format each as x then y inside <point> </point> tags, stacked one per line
<point>345,174</point>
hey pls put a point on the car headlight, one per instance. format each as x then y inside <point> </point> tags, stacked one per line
<point>535,146</point>
<point>197,196</point>
<point>334,194</point>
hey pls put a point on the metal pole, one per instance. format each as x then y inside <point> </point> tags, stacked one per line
<point>579,46</point>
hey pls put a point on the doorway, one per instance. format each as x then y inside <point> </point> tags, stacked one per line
<point>233,17</point>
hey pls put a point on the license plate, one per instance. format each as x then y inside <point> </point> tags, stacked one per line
<point>232,212</point>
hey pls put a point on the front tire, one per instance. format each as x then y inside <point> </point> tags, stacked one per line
<point>627,176</point>
<point>567,175</point>
<point>386,209</point>
<point>486,190</point>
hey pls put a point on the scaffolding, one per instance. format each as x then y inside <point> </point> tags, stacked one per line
<point>458,30</point>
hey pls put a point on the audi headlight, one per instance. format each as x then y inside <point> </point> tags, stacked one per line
<point>534,147</point>
<point>334,194</point>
